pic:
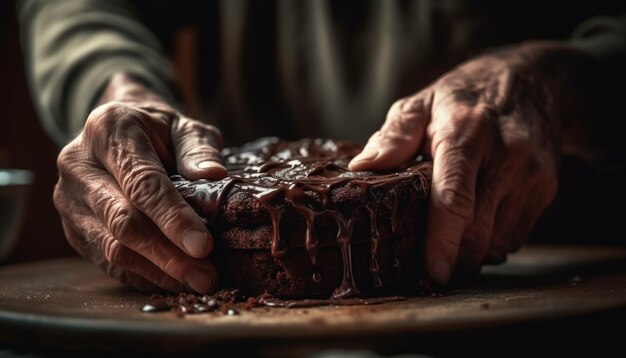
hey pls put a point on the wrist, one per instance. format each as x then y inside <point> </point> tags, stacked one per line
<point>126,89</point>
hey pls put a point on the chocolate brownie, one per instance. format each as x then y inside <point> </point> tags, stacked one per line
<point>291,220</point>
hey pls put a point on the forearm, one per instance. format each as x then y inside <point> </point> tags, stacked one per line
<point>73,47</point>
<point>125,88</point>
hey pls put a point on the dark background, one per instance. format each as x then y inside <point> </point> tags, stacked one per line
<point>25,145</point>
<point>579,214</point>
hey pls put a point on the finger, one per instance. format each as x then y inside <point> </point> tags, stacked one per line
<point>461,137</point>
<point>520,213</point>
<point>122,145</point>
<point>507,217</point>
<point>136,232</point>
<point>120,256</point>
<point>197,146</point>
<point>530,213</point>
<point>116,260</point>
<point>523,228</point>
<point>477,238</point>
<point>400,136</point>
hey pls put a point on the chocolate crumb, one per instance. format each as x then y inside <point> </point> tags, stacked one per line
<point>231,302</point>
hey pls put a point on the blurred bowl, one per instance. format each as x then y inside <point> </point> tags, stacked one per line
<point>14,188</point>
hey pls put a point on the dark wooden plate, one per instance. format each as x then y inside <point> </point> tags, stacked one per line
<point>69,304</point>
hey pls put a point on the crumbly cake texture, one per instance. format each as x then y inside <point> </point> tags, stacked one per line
<point>291,220</point>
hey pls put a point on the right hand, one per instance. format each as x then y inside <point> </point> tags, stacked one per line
<point>117,204</point>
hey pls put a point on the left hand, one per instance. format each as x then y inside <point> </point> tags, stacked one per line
<point>491,127</point>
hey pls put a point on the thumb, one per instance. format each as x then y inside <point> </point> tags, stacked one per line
<point>400,136</point>
<point>197,149</point>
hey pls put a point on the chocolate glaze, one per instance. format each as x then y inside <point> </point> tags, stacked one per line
<point>279,174</point>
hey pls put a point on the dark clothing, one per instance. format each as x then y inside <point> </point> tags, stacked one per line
<point>288,68</point>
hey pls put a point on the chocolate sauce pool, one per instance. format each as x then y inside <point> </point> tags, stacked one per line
<point>273,170</point>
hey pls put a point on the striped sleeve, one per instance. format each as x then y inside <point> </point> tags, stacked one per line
<point>71,49</point>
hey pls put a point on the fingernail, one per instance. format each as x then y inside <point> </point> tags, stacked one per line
<point>366,155</point>
<point>195,242</point>
<point>209,164</point>
<point>440,271</point>
<point>198,281</point>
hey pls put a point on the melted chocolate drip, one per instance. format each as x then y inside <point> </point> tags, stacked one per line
<point>279,173</point>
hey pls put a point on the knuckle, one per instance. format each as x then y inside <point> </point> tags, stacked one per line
<point>109,121</point>
<point>68,157</point>
<point>394,137</point>
<point>472,127</point>
<point>149,189</point>
<point>64,158</point>
<point>487,115</point>
<point>173,267</point>
<point>374,139</point>
<point>398,106</point>
<point>120,221</point>
<point>461,142</point>
<point>457,202</point>
<point>104,116</point>
<point>403,118</point>
<point>114,253</point>
<point>144,184</point>
<point>190,128</point>
<point>93,236</point>
<point>515,134</point>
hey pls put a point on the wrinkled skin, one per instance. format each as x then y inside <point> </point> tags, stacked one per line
<point>490,126</point>
<point>117,203</point>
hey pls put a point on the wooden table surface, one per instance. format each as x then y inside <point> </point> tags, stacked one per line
<point>70,304</point>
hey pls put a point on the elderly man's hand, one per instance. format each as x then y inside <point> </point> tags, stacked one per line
<point>491,128</point>
<point>117,203</point>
